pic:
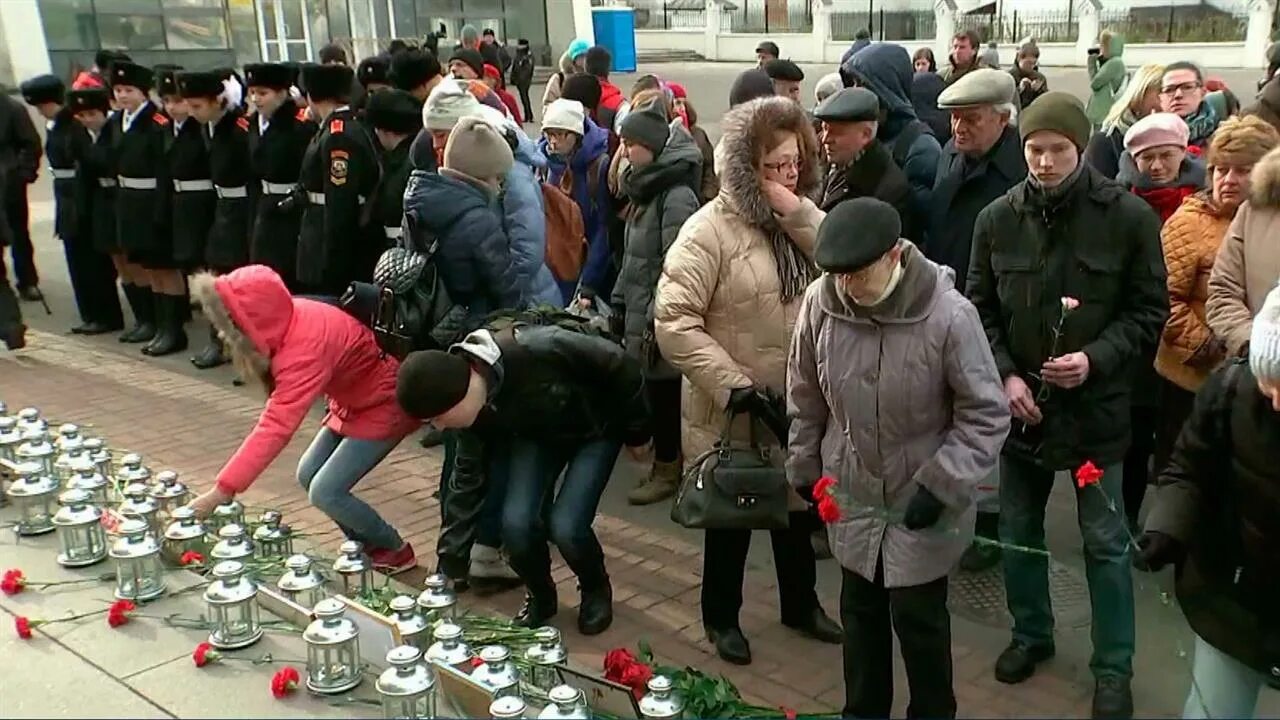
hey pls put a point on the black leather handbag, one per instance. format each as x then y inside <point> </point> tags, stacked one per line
<point>732,487</point>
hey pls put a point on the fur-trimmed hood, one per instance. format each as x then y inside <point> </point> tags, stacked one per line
<point>250,308</point>
<point>747,129</point>
<point>1264,188</point>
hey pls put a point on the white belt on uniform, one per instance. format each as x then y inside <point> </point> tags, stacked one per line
<point>316,198</point>
<point>62,173</point>
<point>239,191</point>
<point>270,188</point>
<point>106,182</point>
<point>182,186</point>
<point>393,233</point>
<point>129,183</point>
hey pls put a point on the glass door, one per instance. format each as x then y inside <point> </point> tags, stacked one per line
<point>373,24</point>
<point>283,30</point>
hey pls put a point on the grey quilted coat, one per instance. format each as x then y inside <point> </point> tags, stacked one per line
<point>887,398</point>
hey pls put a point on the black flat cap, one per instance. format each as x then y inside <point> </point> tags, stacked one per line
<point>132,74</point>
<point>783,70</point>
<point>327,82</point>
<point>855,234</point>
<point>393,110</point>
<point>204,84</point>
<point>412,69</point>
<point>374,70</point>
<point>89,99</point>
<point>276,76</point>
<point>43,89</point>
<point>849,105</point>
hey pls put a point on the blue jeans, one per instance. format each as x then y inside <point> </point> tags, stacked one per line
<point>532,511</point>
<point>330,467</point>
<point>1221,686</point>
<point>1024,493</point>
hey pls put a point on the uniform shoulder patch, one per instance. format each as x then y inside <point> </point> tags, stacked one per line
<point>339,166</point>
<point>159,119</point>
<point>242,122</point>
<point>335,126</point>
<point>301,115</point>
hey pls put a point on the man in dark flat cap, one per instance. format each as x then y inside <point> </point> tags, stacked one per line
<point>913,359</point>
<point>858,165</point>
<point>786,77</point>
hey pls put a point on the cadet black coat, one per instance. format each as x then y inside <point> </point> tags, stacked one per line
<point>232,174</point>
<point>389,211</point>
<point>64,143</point>
<point>339,172</point>
<point>142,215</point>
<point>97,177</point>
<point>192,206</point>
<point>276,157</point>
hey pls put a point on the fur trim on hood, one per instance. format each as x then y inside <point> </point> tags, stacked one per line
<point>1265,181</point>
<point>244,353</point>
<point>747,132</point>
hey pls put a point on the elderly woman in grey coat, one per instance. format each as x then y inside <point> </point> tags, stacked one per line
<point>893,394</point>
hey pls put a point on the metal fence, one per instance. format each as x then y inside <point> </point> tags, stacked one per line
<point>885,24</point>
<point>669,14</point>
<point>1200,23</point>
<point>1050,26</point>
<point>767,16</point>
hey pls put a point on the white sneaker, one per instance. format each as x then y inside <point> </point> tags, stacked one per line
<point>488,563</point>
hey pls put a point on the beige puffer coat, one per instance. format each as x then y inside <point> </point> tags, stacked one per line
<point>719,317</point>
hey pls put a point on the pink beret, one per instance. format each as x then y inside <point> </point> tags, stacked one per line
<point>1156,130</point>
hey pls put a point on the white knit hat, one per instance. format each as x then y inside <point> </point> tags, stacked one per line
<point>448,103</point>
<point>827,86</point>
<point>1264,341</point>
<point>565,115</point>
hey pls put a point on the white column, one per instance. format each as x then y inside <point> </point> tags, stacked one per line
<point>1087,26</point>
<point>1258,34</point>
<point>582,25</point>
<point>711,32</point>
<point>821,30</point>
<point>944,13</point>
<point>22,41</point>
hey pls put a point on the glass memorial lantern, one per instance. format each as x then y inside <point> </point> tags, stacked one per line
<point>100,455</point>
<point>506,708</point>
<point>231,513</point>
<point>85,476</point>
<point>448,649</point>
<point>496,672</point>
<point>10,439</point>
<point>35,447</point>
<point>139,570</point>
<point>301,583</point>
<point>80,532</point>
<point>34,494</point>
<point>437,602</point>
<point>271,539</point>
<point>168,493</point>
<point>544,659</point>
<point>137,504</point>
<point>414,628</point>
<point>333,650</point>
<point>408,686</point>
<point>661,702</point>
<point>353,569</point>
<point>29,419</point>
<point>232,600</point>
<point>232,545</point>
<point>70,445</point>
<point>566,703</point>
<point>184,534</point>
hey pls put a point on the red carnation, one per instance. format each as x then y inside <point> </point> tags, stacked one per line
<point>788,713</point>
<point>284,681</point>
<point>118,613</point>
<point>636,677</point>
<point>616,662</point>
<point>821,487</point>
<point>828,510</point>
<point>204,654</point>
<point>191,557</point>
<point>13,582</point>
<point>23,626</point>
<point>1088,474</point>
<point>476,662</point>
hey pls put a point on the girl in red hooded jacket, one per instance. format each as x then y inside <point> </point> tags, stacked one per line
<point>300,349</point>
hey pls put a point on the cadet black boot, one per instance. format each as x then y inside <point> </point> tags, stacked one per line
<point>213,355</point>
<point>170,337</point>
<point>142,303</point>
<point>13,333</point>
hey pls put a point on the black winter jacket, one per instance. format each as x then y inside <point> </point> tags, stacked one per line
<point>1098,244</point>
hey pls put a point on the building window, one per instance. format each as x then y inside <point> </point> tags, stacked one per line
<point>69,24</point>
<point>131,32</point>
<point>195,24</point>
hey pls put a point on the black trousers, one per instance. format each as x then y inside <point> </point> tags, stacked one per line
<point>724,564</point>
<point>524,100</point>
<point>1175,408</point>
<point>664,403</point>
<point>1137,461</point>
<point>871,614</point>
<point>10,312</point>
<point>93,282</point>
<point>16,213</point>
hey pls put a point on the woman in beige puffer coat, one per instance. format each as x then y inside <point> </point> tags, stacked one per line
<point>726,306</point>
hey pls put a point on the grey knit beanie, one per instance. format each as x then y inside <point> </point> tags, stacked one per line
<point>1264,341</point>
<point>477,149</point>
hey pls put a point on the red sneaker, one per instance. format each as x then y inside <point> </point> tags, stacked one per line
<point>394,562</point>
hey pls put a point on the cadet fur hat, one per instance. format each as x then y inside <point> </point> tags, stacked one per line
<point>89,99</point>
<point>393,110</point>
<point>269,75</point>
<point>983,86</point>
<point>477,149</point>
<point>43,89</point>
<point>376,69</point>
<point>1059,112</point>
<point>855,234</point>
<point>431,382</point>
<point>166,80</point>
<point>648,127</point>
<point>783,70</point>
<point>132,75</point>
<point>327,82</point>
<point>853,104</point>
<point>413,68</point>
<point>203,84</point>
<point>471,58</point>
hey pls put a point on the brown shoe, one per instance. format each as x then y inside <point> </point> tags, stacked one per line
<point>662,483</point>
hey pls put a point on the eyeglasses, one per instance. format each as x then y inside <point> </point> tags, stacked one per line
<point>783,165</point>
<point>1184,88</point>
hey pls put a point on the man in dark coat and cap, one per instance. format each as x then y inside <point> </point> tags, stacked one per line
<point>858,163</point>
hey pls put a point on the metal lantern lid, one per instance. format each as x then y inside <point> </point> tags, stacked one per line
<point>437,595</point>
<point>32,482</point>
<point>94,445</point>
<point>331,625</point>
<point>448,648</point>
<point>185,526</point>
<point>29,417</point>
<point>132,470</point>
<point>76,510</point>
<point>35,446</point>
<point>134,541</point>
<point>9,432</point>
<point>661,702</point>
<point>137,503</point>
<point>232,544</point>
<point>507,707</point>
<point>447,632</point>
<point>167,486</point>
<point>352,561</point>
<point>496,671</point>
<point>495,654</point>
<point>549,649</point>
<point>564,695</point>
<point>233,511</point>
<point>69,437</point>
<point>82,461</point>
<point>565,704</point>
<point>301,576</point>
<point>405,675</point>
<point>230,586</point>
<point>408,619</point>
<point>270,530</point>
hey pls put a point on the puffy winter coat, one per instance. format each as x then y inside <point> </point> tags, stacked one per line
<point>588,168</point>
<point>889,398</point>
<point>719,316</point>
<point>1248,262</point>
<point>300,349</point>
<point>1190,239</point>
<point>525,221</point>
<point>662,198</point>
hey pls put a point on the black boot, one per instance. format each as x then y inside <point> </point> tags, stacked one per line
<point>731,645</point>
<point>212,356</point>
<point>595,612</point>
<point>540,605</point>
<point>12,332</point>
<point>142,303</point>
<point>170,337</point>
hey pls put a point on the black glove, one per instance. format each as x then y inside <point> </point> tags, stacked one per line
<point>763,408</point>
<point>923,511</point>
<point>1155,550</point>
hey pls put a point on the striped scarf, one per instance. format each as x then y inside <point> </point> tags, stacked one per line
<point>795,269</point>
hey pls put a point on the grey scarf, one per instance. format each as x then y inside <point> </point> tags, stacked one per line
<point>795,269</point>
